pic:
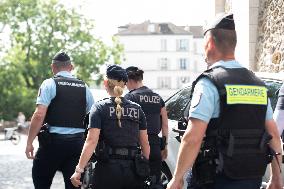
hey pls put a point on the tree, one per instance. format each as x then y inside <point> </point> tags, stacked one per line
<point>38,29</point>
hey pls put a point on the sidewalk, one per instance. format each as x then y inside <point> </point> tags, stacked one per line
<point>16,169</point>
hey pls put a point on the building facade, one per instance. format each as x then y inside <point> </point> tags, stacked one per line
<point>169,55</point>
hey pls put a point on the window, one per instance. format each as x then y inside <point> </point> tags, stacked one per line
<point>182,80</point>
<point>182,44</point>
<point>151,28</point>
<point>164,63</point>
<point>164,82</point>
<point>183,63</point>
<point>163,45</point>
<point>177,104</point>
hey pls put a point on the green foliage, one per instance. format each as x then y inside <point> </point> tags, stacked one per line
<point>38,29</point>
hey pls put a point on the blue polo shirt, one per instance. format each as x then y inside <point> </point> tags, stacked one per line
<point>47,92</point>
<point>205,101</point>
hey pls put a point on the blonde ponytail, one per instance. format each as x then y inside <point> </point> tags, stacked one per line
<point>117,87</point>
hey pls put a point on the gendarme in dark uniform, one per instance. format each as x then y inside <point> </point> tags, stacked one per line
<point>116,128</point>
<point>62,104</point>
<point>156,116</point>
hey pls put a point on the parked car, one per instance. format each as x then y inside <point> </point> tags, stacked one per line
<point>178,106</point>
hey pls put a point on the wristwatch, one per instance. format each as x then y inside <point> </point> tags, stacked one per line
<point>79,170</point>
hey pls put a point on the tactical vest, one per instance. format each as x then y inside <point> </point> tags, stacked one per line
<point>150,103</point>
<point>68,108</point>
<point>236,143</point>
<point>128,134</point>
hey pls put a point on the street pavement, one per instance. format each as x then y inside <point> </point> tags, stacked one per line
<point>16,169</point>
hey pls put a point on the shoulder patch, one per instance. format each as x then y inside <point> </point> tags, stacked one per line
<point>196,99</point>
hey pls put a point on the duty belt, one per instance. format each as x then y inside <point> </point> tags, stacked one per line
<point>67,136</point>
<point>122,153</point>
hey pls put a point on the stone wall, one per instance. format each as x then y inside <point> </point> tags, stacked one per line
<point>269,55</point>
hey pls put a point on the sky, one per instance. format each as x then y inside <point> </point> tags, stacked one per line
<point>109,14</point>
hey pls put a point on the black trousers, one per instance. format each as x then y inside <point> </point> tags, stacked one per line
<point>155,159</point>
<point>60,154</point>
<point>223,182</point>
<point>116,174</point>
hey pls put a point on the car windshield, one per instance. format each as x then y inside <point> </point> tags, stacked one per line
<point>177,103</point>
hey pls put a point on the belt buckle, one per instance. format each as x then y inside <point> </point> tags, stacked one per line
<point>122,151</point>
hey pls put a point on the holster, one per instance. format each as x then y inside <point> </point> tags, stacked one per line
<point>44,137</point>
<point>101,152</point>
<point>204,169</point>
<point>142,166</point>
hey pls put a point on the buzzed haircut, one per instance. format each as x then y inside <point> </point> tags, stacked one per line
<point>225,40</point>
<point>61,64</point>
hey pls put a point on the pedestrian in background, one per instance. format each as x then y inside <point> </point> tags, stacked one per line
<point>116,127</point>
<point>62,103</point>
<point>230,125</point>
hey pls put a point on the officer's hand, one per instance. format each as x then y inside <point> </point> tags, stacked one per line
<point>30,151</point>
<point>175,184</point>
<point>164,153</point>
<point>275,184</point>
<point>75,179</point>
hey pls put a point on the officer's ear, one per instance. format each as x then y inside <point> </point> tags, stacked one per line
<point>211,43</point>
<point>53,68</point>
<point>105,83</point>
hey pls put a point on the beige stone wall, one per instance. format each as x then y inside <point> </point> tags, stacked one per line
<point>269,54</point>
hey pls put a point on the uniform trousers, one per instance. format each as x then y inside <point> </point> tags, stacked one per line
<point>116,174</point>
<point>155,158</point>
<point>59,154</point>
<point>223,182</point>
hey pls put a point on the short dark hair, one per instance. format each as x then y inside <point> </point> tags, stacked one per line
<point>134,73</point>
<point>61,59</point>
<point>225,40</point>
<point>60,64</point>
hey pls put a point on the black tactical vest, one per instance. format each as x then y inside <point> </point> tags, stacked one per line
<point>128,134</point>
<point>236,142</point>
<point>151,106</point>
<point>68,108</point>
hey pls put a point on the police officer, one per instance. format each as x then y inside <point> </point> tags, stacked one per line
<point>230,122</point>
<point>119,125</point>
<point>157,120</point>
<point>278,114</point>
<point>279,111</point>
<point>62,104</point>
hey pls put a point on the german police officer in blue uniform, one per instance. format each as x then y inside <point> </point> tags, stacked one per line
<point>230,131</point>
<point>62,104</point>
<point>278,114</point>
<point>116,127</point>
<point>157,120</point>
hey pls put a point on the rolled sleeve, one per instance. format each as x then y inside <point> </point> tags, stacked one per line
<point>142,120</point>
<point>95,120</point>
<point>269,111</point>
<point>46,93</point>
<point>206,105</point>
